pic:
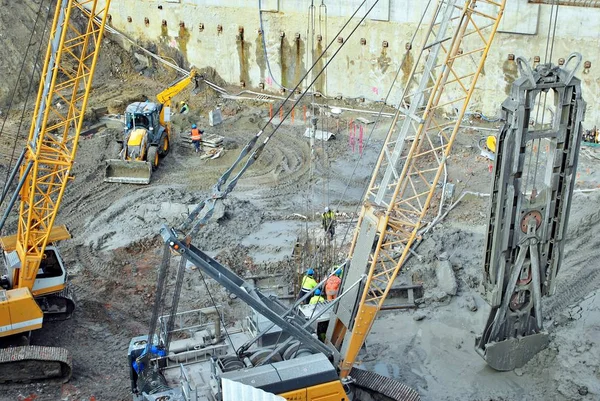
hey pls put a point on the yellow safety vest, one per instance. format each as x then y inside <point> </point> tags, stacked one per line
<point>316,299</point>
<point>308,283</point>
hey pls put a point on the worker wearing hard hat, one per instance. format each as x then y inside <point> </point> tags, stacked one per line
<point>328,222</point>
<point>184,107</point>
<point>317,298</point>
<point>308,284</point>
<point>332,285</point>
<point>196,135</point>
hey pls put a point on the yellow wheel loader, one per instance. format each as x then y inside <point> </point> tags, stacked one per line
<point>147,136</point>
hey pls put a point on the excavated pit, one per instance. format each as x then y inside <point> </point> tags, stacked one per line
<point>115,251</point>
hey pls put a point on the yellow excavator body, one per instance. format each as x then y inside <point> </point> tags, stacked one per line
<point>332,391</point>
<point>136,137</point>
<point>19,311</point>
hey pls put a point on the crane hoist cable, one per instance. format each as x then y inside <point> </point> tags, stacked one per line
<point>206,207</point>
<point>22,68</point>
<point>325,37</point>
<point>315,253</point>
<point>8,179</point>
<point>550,39</point>
<point>379,116</point>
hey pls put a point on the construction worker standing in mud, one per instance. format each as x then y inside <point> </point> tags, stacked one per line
<point>328,222</point>
<point>196,135</point>
<point>308,284</point>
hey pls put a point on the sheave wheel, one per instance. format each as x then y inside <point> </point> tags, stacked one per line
<point>153,157</point>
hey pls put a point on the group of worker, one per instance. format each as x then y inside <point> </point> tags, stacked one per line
<point>309,283</point>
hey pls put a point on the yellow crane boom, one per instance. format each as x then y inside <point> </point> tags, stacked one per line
<point>405,181</point>
<point>35,269</point>
<point>53,138</point>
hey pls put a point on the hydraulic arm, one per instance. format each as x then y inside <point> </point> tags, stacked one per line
<point>534,176</point>
<point>165,96</point>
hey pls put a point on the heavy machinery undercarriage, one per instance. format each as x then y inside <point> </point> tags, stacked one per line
<point>533,180</point>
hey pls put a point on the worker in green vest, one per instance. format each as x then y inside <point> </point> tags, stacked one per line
<point>328,223</point>
<point>308,284</point>
<point>317,298</point>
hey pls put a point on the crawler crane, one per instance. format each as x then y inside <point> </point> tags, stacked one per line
<point>35,286</point>
<point>295,365</point>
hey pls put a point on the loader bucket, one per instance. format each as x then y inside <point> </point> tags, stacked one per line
<point>128,172</point>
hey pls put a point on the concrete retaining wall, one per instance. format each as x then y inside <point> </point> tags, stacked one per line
<point>192,27</point>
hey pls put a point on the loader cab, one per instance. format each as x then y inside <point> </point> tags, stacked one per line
<point>144,115</point>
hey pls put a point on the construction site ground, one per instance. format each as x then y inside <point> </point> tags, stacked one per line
<point>115,251</point>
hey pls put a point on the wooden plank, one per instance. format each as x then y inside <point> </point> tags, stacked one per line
<point>210,140</point>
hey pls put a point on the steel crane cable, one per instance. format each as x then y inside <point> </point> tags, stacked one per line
<point>28,95</point>
<point>220,315</point>
<point>379,116</point>
<point>22,67</point>
<point>310,54</point>
<point>550,39</point>
<point>314,255</point>
<point>207,206</point>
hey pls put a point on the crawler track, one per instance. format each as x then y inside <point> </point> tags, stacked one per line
<point>383,385</point>
<point>34,363</point>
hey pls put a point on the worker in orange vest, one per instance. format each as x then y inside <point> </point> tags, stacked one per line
<point>332,285</point>
<point>196,135</point>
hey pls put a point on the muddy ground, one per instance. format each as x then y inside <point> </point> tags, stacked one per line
<point>115,251</point>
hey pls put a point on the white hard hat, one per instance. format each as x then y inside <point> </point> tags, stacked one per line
<point>326,209</point>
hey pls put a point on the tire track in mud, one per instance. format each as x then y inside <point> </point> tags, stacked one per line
<point>91,263</point>
<point>92,203</point>
<point>89,194</point>
<point>569,292</point>
<point>282,175</point>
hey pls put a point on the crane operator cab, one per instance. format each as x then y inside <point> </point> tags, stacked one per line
<point>29,295</point>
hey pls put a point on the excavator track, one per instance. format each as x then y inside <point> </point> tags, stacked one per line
<point>383,385</point>
<point>35,363</point>
<point>57,306</point>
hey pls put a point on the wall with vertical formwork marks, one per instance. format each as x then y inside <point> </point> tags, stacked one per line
<point>225,34</point>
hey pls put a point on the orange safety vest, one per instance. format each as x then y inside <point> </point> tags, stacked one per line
<point>332,285</point>
<point>196,135</point>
